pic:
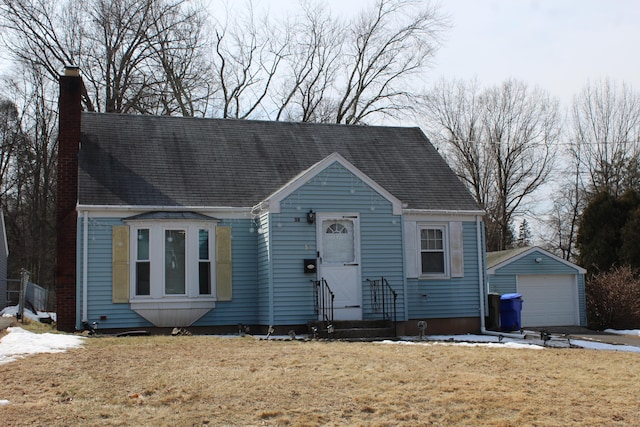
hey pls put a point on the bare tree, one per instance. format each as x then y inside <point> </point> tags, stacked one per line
<point>324,68</point>
<point>12,139</point>
<point>455,110</point>
<point>41,33</point>
<point>603,155</point>
<point>248,54</point>
<point>180,52</point>
<point>563,219</point>
<point>502,141</point>
<point>311,66</point>
<point>606,136</point>
<point>30,200</point>
<point>387,49</point>
<point>120,47</point>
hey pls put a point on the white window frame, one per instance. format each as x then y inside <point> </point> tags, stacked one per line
<point>157,230</point>
<point>444,228</point>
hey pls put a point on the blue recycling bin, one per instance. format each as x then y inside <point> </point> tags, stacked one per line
<point>510,312</point>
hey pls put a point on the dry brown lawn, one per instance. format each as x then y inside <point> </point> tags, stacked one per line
<point>212,381</point>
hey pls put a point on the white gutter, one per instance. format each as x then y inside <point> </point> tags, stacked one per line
<point>483,329</point>
<point>85,263</point>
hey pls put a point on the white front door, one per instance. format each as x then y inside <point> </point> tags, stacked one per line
<point>339,262</point>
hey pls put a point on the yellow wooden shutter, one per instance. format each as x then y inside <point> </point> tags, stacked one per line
<point>223,264</point>
<point>120,264</point>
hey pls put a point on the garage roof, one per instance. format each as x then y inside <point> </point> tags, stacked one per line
<point>499,259</point>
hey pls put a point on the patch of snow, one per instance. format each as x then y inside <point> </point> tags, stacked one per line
<point>469,341</point>
<point>634,332</point>
<point>467,337</point>
<point>12,311</point>
<point>595,345</point>
<point>19,343</point>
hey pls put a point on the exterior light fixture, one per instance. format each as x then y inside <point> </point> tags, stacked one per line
<point>311,216</point>
<point>538,260</point>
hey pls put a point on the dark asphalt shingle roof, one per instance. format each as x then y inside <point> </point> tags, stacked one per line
<point>177,161</point>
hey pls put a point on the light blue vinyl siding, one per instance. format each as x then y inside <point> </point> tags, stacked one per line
<point>99,279</point>
<point>241,309</point>
<point>269,283</point>
<point>449,298</point>
<point>265,294</point>
<point>504,279</point>
<point>292,239</point>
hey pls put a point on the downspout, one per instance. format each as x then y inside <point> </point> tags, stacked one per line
<point>85,263</point>
<point>481,275</point>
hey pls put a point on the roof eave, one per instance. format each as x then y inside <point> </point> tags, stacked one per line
<point>465,212</point>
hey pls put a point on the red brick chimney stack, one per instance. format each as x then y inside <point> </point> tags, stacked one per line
<point>70,109</point>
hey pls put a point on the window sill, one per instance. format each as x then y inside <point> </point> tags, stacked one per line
<point>434,277</point>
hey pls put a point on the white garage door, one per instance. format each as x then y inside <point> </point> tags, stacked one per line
<point>549,300</point>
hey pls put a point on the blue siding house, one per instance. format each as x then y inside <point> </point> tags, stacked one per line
<point>212,223</point>
<point>552,288</point>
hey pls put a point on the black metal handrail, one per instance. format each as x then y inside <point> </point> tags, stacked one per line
<point>324,300</point>
<point>383,300</point>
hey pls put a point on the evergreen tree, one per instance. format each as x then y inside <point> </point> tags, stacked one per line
<point>609,228</point>
<point>524,234</point>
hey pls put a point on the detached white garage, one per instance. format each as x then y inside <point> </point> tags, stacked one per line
<point>552,288</point>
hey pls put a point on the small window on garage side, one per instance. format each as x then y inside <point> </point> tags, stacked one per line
<point>432,251</point>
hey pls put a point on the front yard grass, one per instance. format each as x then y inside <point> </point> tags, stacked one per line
<point>202,380</point>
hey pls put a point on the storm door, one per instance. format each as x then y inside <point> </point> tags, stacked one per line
<point>339,263</point>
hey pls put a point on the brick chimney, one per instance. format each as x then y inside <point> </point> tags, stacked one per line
<point>70,109</point>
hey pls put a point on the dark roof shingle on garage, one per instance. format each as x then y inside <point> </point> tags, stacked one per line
<point>139,160</point>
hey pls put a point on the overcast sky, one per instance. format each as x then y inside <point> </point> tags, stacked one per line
<point>558,45</point>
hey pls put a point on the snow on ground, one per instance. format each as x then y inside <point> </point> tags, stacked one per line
<point>634,332</point>
<point>468,341</point>
<point>12,311</point>
<point>19,343</point>
<point>595,345</point>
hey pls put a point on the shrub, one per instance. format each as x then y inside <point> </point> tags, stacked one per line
<point>613,299</point>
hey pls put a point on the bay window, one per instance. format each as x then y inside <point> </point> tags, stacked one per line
<point>172,259</point>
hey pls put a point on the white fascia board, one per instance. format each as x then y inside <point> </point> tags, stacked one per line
<point>440,215</point>
<point>123,211</point>
<point>569,264</point>
<point>272,203</point>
